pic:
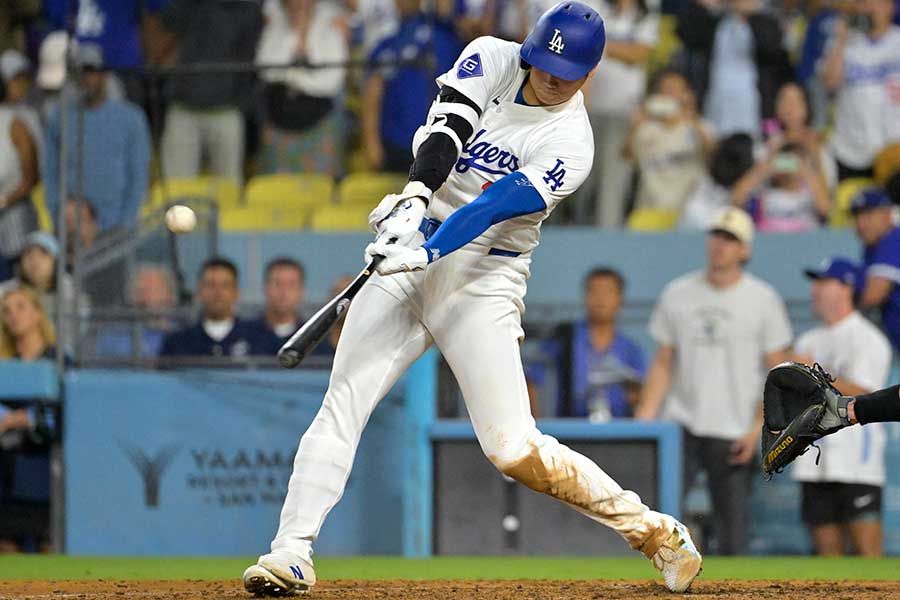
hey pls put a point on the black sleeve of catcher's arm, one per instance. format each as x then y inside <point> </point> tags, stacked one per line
<point>878,407</point>
<point>437,154</point>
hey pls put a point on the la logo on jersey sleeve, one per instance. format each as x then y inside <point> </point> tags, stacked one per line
<point>470,67</point>
<point>554,177</point>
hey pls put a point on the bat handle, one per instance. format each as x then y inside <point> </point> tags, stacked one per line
<point>373,264</point>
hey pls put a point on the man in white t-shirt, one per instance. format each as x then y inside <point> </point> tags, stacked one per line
<point>863,67</point>
<point>842,494</point>
<point>718,330</point>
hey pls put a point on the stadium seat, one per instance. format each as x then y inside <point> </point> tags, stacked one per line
<point>356,161</point>
<point>668,44</point>
<point>266,218</point>
<point>301,191</point>
<point>225,192</point>
<point>38,198</point>
<point>652,219</point>
<point>367,188</point>
<point>341,218</point>
<point>840,214</point>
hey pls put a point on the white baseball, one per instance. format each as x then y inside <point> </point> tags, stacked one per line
<point>511,523</point>
<point>181,219</point>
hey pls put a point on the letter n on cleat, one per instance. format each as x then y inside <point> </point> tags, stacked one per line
<point>296,572</point>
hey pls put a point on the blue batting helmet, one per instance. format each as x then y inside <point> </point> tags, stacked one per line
<point>567,41</point>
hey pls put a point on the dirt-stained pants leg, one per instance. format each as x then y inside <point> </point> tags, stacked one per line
<point>481,344</point>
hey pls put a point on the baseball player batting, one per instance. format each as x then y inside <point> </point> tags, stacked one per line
<point>505,141</point>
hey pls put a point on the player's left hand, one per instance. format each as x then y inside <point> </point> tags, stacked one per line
<point>409,204</point>
<point>397,259</point>
<point>401,226</point>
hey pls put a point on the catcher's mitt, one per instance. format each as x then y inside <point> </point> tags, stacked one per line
<point>800,406</point>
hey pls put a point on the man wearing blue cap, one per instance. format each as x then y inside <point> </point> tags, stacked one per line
<point>842,494</point>
<point>872,211</point>
<point>505,141</point>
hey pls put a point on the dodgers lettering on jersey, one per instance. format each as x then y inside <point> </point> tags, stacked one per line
<point>551,145</point>
<point>485,156</point>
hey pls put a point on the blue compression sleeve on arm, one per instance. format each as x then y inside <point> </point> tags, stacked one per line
<point>509,197</point>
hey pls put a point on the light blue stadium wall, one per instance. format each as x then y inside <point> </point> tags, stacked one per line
<point>648,260</point>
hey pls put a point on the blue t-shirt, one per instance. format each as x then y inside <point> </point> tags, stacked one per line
<point>883,260</point>
<point>114,160</point>
<point>114,25</point>
<point>409,89</point>
<point>599,376</point>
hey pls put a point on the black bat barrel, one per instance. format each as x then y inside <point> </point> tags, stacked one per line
<point>311,333</point>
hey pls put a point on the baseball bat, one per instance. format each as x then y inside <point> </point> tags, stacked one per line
<point>311,333</point>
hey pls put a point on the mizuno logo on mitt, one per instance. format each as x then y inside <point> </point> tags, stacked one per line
<point>780,448</point>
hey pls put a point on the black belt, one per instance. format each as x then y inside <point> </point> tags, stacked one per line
<point>429,226</point>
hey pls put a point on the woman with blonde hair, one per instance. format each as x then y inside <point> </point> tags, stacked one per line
<point>26,333</point>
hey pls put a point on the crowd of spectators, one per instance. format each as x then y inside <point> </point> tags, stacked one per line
<point>819,107</point>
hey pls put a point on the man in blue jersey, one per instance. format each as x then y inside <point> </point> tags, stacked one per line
<point>872,210</point>
<point>402,85</point>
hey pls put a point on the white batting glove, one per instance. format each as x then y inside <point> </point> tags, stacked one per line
<point>402,225</point>
<point>397,259</point>
<point>412,199</point>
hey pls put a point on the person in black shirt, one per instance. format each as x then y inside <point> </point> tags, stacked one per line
<point>26,429</point>
<point>218,332</point>
<point>204,116</point>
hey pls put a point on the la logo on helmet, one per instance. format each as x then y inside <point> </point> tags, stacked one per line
<point>556,43</point>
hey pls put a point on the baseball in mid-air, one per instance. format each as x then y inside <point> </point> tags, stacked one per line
<point>181,219</point>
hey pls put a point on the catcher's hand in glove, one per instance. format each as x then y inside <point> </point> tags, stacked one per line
<point>800,406</point>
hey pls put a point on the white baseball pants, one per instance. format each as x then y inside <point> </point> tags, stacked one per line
<point>469,304</point>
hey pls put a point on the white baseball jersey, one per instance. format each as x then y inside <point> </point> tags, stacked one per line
<point>855,350</point>
<point>867,111</point>
<point>551,145</point>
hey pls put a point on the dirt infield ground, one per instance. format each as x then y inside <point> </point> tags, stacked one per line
<point>458,590</point>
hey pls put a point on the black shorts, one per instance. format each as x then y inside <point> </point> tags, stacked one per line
<point>830,503</point>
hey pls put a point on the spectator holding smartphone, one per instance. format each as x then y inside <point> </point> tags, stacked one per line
<point>791,183</point>
<point>669,142</point>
